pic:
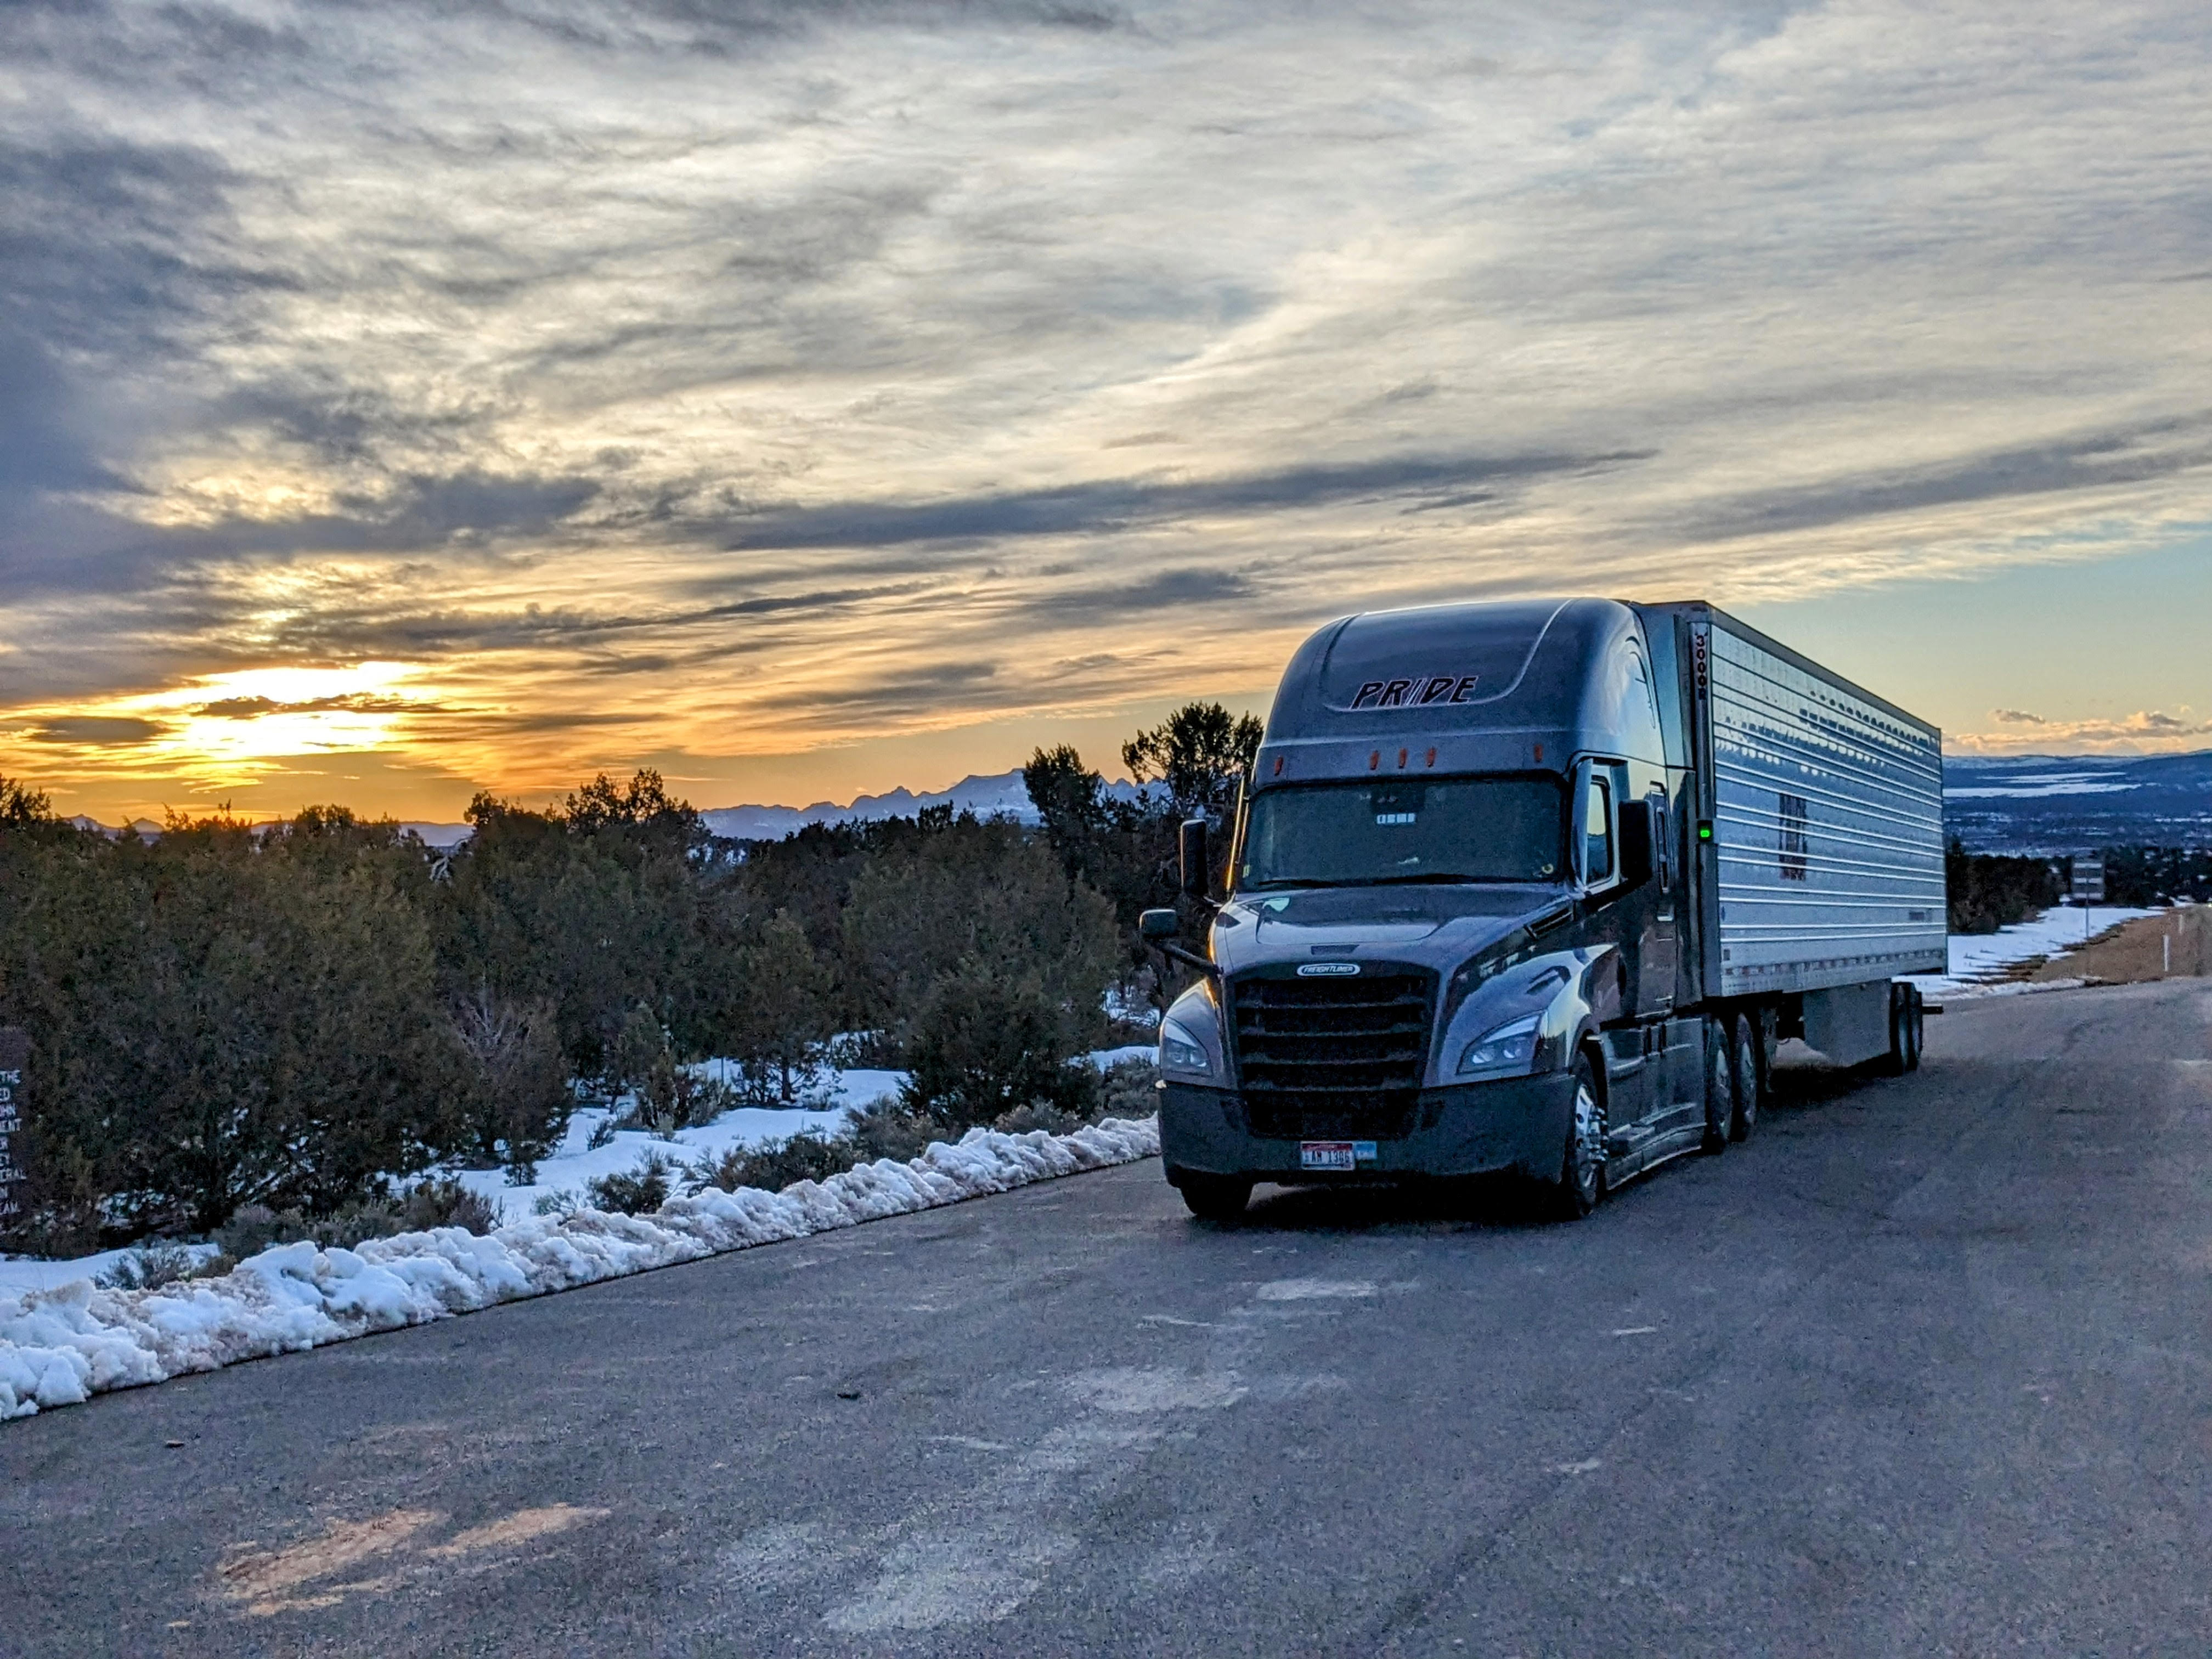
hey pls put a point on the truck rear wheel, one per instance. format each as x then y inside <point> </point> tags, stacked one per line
<point>1215,1198</point>
<point>1720,1095</point>
<point>1904,1031</point>
<point>1744,1070</point>
<point>1581,1168</point>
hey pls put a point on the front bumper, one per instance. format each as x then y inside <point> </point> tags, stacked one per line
<point>1471,1128</point>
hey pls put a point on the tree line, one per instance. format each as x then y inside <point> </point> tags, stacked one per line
<point>293,1015</point>
<point>1992,891</point>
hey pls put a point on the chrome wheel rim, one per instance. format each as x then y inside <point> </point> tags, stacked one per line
<point>1720,1087</point>
<point>1747,1080</point>
<point>1588,1144</point>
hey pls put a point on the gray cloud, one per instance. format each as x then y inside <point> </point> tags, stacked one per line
<point>1166,588</point>
<point>1121,503</point>
<point>100,731</point>
<point>2094,460</point>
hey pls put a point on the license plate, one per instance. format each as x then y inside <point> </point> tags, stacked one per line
<point>1327,1155</point>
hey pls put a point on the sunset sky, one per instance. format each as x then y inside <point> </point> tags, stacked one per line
<point>397,401</point>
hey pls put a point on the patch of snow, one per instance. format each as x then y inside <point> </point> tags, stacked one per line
<point>58,1346</point>
<point>576,1160</point>
<point>33,1273</point>
<point>1978,960</point>
<point>2027,790</point>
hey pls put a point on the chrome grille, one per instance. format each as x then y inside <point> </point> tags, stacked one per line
<point>1339,1057</point>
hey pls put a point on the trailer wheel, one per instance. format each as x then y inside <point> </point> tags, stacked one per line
<point>1215,1198</point>
<point>1743,1076</point>
<point>1720,1096</point>
<point>1905,1031</point>
<point>1581,1168</point>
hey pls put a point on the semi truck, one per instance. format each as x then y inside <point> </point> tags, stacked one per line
<point>1537,887</point>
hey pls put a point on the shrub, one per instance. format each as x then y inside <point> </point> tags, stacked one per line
<point>445,1204</point>
<point>1130,1089</point>
<point>157,1265</point>
<point>518,1094</point>
<point>636,1192</point>
<point>673,1097</point>
<point>1039,1114</point>
<point>888,1129</point>
<point>779,1163</point>
<point>985,1043</point>
<point>255,1227</point>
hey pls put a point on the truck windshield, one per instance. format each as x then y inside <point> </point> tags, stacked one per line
<point>1433,830</point>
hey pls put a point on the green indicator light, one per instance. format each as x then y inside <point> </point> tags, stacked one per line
<point>1705,832</point>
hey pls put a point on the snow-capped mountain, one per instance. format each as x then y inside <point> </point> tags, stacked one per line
<point>999,796</point>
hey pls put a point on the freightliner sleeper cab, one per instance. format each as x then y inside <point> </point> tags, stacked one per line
<point>1536,887</point>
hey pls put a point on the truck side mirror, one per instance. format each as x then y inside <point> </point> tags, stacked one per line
<point>1196,871</point>
<point>1639,842</point>
<point>1154,926</point>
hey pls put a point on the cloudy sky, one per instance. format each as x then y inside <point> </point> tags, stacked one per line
<point>396,401</point>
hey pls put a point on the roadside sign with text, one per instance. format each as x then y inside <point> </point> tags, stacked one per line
<point>14,1059</point>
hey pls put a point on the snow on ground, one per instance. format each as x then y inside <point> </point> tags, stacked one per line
<point>1978,961</point>
<point>60,1346</point>
<point>576,1160</point>
<point>31,1272</point>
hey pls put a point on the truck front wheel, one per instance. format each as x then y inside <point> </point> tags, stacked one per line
<point>1215,1198</point>
<point>1582,1167</point>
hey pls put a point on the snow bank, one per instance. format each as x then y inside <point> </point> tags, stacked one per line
<point>59,1346</point>
<point>1978,961</point>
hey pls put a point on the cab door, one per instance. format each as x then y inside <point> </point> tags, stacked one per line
<point>1662,930</point>
<point>1636,1072</point>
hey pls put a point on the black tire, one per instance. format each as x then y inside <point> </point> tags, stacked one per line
<point>1745,1079</point>
<point>1216,1198</point>
<point>1720,1095</point>
<point>1899,1060</point>
<point>1916,1030</point>
<point>1581,1181</point>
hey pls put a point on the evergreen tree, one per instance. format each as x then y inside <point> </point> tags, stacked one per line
<point>1199,752</point>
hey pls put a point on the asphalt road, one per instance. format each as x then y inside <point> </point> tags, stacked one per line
<point>1923,1368</point>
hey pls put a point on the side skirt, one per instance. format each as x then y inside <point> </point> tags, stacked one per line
<point>1660,1149</point>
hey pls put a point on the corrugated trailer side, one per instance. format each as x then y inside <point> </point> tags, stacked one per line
<point>1825,864</point>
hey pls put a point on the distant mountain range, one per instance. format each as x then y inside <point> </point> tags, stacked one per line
<point>1002,795</point>
<point>2015,803</point>
<point>2062,803</point>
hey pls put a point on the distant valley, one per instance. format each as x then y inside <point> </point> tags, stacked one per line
<point>2060,803</point>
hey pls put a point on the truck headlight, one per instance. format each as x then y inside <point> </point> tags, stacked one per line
<point>1511,1048</point>
<point>1180,1051</point>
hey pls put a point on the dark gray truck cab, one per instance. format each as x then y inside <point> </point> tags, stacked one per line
<point>1534,886</point>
